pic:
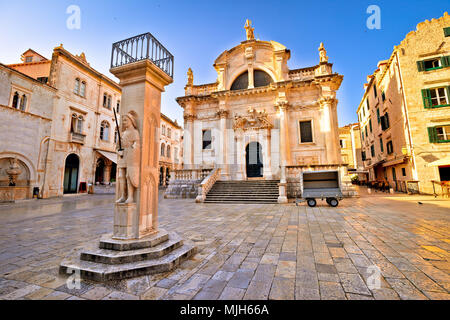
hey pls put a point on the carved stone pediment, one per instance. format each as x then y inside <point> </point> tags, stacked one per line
<point>254,120</point>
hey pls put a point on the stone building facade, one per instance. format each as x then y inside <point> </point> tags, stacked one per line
<point>404,114</point>
<point>69,108</point>
<point>26,112</point>
<point>350,143</point>
<point>171,148</point>
<point>260,119</point>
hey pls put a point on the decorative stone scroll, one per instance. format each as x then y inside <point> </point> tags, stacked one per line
<point>255,120</point>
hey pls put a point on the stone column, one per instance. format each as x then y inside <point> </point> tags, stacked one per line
<point>282,197</point>
<point>188,140</point>
<point>142,84</point>
<point>223,143</point>
<point>267,155</point>
<point>330,129</point>
<point>107,173</point>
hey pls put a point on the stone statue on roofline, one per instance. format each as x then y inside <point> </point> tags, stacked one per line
<point>323,54</point>
<point>190,75</point>
<point>249,30</point>
<point>129,158</point>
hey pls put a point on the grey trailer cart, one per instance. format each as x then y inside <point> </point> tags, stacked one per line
<point>320,185</point>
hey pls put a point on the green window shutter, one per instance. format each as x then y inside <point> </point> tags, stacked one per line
<point>378,115</point>
<point>381,145</point>
<point>445,61</point>
<point>432,134</point>
<point>426,96</point>
<point>447,32</point>
<point>420,66</point>
<point>448,94</point>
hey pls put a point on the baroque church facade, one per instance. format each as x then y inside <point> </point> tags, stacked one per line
<point>260,119</point>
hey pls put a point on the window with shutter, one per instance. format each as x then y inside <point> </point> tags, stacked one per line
<point>370,125</point>
<point>306,131</point>
<point>207,139</point>
<point>426,98</point>
<point>381,145</point>
<point>389,147</point>
<point>445,61</point>
<point>447,32</point>
<point>432,135</point>
<point>378,115</point>
<point>420,66</point>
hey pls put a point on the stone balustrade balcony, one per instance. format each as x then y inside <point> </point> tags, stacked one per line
<point>77,137</point>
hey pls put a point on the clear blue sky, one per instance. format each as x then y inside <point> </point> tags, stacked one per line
<point>196,32</point>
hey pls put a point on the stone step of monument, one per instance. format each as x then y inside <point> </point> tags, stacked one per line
<point>108,272</point>
<point>106,242</point>
<point>117,257</point>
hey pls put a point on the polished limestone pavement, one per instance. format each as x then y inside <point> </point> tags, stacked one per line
<point>263,251</point>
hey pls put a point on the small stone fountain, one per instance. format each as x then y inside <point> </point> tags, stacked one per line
<point>13,172</point>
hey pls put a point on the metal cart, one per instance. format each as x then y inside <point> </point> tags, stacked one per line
<point>320,185</point>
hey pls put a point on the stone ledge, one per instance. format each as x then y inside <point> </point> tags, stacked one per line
<point>119,257</point>
<point>108,243</point>
<point>107,272</point>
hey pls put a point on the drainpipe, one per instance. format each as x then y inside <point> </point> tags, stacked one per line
<point>415,175</point>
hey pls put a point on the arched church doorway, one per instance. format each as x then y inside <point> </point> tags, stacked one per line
<point>71,173</point>
<point>254,160</point>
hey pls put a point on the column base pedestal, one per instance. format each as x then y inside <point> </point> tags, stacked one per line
<point>114,259</point>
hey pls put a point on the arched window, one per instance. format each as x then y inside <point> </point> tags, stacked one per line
<point>168,151</point>
<point>105,100</point>
<point>77,86</point>
<point>104,131</point>
<point>241,82</point>
<point>163,147</point>
<point>77,123</point>
<point>83,89</point>
<point>15,102</point>
<point>23,103</point>
<point>260,79</point>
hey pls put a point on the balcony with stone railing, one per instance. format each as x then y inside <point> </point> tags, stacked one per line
<point>77,137</point>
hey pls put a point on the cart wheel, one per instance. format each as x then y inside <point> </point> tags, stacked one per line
<point>328,200</point>
<point>311,202</point>
<point>333,202</point>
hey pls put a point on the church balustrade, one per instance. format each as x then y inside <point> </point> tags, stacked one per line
<point>207,184</point>
<point>191,174</point>
<point>302,74</point>
<point>204,90</point>
<point>141,47</point>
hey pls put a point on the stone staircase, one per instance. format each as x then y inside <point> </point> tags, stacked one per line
<point>248,191</point>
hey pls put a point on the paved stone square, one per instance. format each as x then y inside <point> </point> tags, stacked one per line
<point>265,251</point>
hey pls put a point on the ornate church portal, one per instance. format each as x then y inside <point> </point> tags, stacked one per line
<point>260,119</point>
